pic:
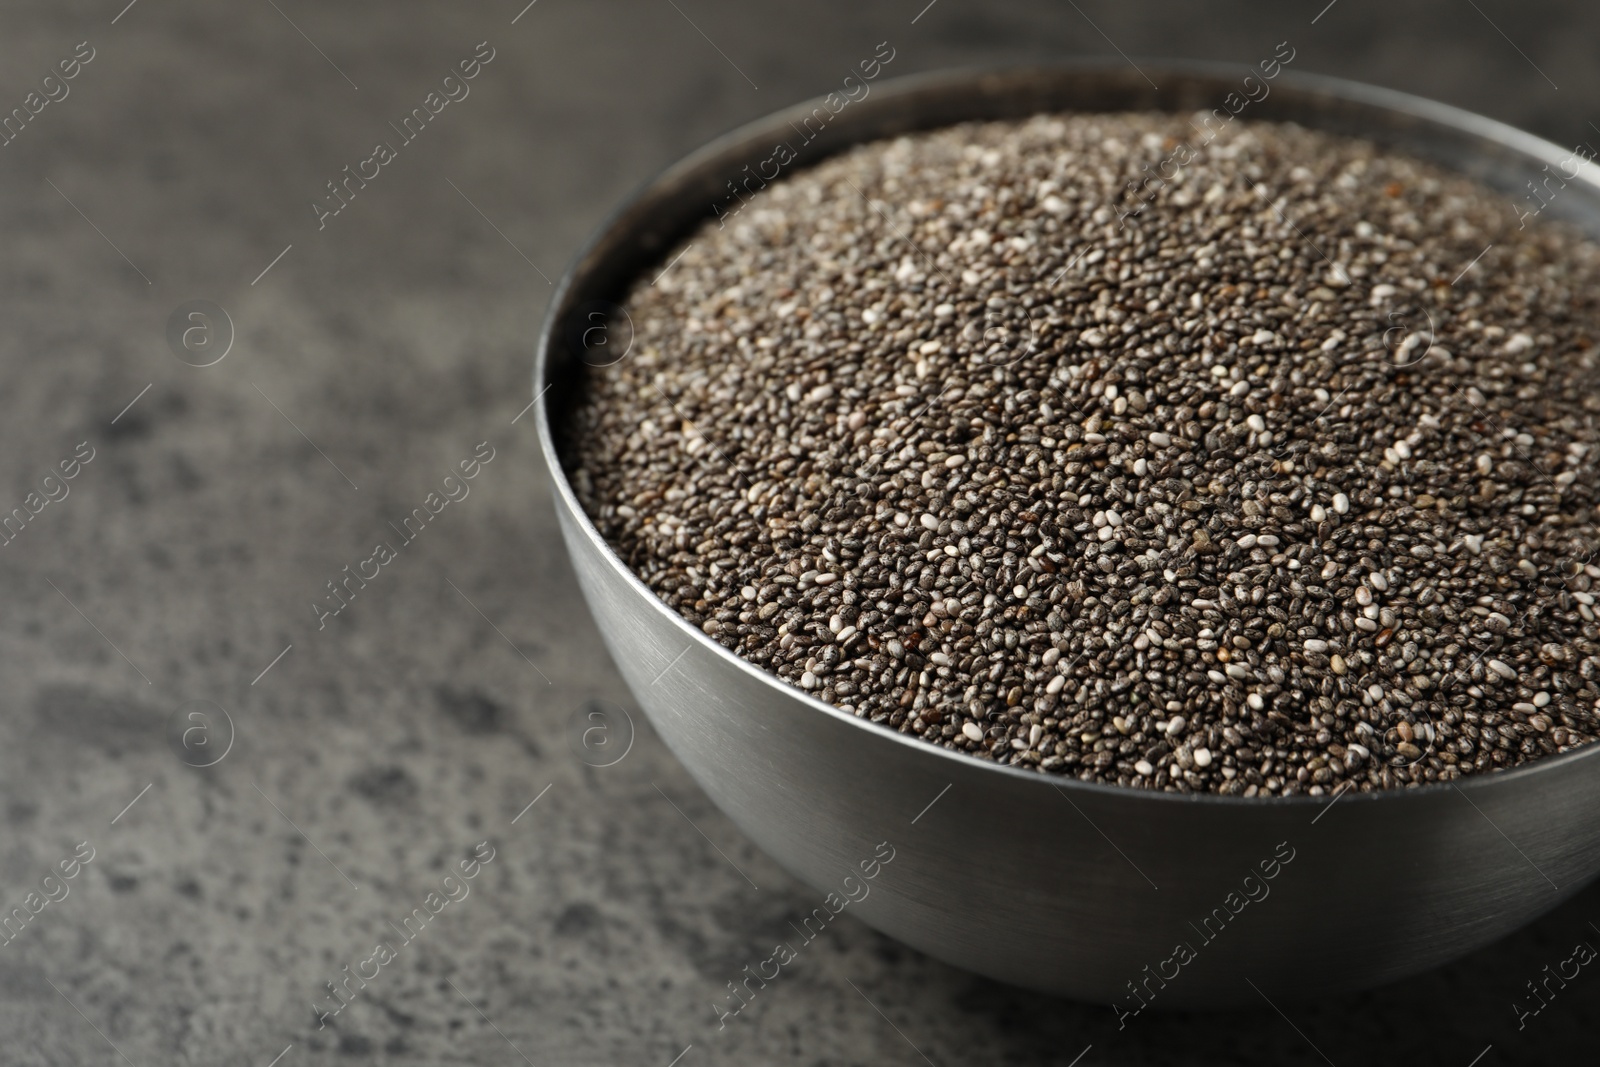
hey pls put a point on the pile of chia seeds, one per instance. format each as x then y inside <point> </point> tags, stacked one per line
<point>1276,476</point>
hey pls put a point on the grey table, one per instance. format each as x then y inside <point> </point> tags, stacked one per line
<point>368,353</point>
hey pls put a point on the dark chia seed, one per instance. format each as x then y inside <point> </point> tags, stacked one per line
<point>1246,493</point>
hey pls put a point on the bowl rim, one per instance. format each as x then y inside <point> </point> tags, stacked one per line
<point>1405,104</point>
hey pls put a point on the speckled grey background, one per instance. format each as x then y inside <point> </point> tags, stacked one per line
<point>378,751</point>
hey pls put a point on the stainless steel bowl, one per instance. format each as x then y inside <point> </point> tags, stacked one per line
<point>1084,890</point>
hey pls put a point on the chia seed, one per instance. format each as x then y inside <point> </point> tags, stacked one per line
<point>1254,491</point>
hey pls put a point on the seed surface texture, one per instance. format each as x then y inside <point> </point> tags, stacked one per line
<point>1269,472</point>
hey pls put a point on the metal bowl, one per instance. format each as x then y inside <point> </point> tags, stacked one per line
<point>1095,892</point>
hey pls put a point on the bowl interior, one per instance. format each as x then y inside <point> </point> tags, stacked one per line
<point>668,208</point>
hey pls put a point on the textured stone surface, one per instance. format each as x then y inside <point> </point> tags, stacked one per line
<point>410,728</point>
